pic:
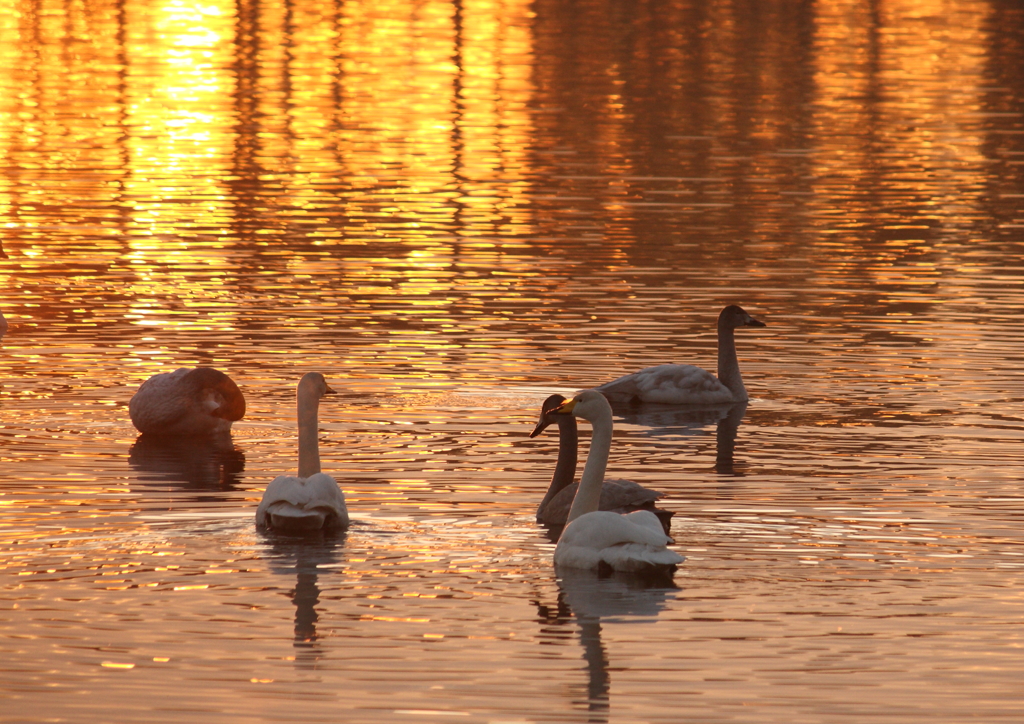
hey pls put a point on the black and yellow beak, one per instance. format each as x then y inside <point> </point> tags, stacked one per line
<point>565,408</point>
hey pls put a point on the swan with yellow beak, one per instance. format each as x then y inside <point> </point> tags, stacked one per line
<point>596,539</point>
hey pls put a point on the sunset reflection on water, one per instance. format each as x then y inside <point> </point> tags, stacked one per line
<point>453,210</point>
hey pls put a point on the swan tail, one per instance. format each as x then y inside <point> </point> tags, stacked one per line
<point>283,517</point>
<point>636,557</point>
<point>302,505</point>
<point>287,518</point>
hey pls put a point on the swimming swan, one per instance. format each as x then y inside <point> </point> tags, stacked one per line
<point>596,539</point>
<point>188,401</point>
<point>688,385</point>
<point>312,501</point>
<point>620,496</point>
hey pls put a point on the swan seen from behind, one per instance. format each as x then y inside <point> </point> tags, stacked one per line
<point>311,501</point>
<point>620,496</point>
<point>598,539</point>
<point>676,384</point>
<point>188,401</point>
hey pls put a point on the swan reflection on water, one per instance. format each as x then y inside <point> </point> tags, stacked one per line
<point>303,557</point>
<point>663,421</point>
<point>200,463</point>
<point>593,600</point>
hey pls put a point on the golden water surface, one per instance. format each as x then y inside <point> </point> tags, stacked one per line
<point>452,210</point>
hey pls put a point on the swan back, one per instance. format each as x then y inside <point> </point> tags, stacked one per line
<point>188,401</point>
<point>670,384</point>
<point>302,505</point>
<point>633,542</point>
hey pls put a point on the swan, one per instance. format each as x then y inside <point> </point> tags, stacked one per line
<point>601,539</point>
<point>312,501</point>
<point>686,384</point>
<point>621,496</point>
<point>188,401</point>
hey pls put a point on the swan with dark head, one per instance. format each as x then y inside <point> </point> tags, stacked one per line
<point>676,384</point>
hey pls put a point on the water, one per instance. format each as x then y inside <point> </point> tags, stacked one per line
<point>452,211</point>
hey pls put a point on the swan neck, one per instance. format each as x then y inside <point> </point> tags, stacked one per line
<point>308,402</point>
<point>729,364</point>
<point>588,496</point>
<point>568,451</point>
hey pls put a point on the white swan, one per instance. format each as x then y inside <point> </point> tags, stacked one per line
<point>620,496</point>
<point>596,539</point>
<point>199,401</point>
<point>688,385</point>
<point>312,501</point>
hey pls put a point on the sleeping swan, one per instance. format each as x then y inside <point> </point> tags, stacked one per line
<point>199,401</point>
<point>688,385</point>
<point>312,501</point>
<point>601,539</point>
<point>620,496</point>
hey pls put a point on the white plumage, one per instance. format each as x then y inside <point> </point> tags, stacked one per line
<point>311,501</point>
<point>632,542</point>
<point>594,538</point>
<point>675,384</point>
<point>302,505</point>
<point>188,401</point>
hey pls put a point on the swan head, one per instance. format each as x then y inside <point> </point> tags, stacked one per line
<point>734,316</point>
<point>590,405</point>
<point>547,414</point>
<point>313,383</point>
<point>226,400</point>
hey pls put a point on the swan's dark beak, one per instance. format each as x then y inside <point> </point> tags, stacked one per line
<point>546,410</point>
<point>751,322</point>
<point>542,424</point>
<point>331,391</point>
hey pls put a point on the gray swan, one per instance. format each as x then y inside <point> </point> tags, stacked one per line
<point>675,384</point>
<point>621,496</point>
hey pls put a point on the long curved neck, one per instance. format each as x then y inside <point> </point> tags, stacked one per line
<point>588,497</point>
<point>729,364</point>
<point>568,451</point>
<point>309,450</point>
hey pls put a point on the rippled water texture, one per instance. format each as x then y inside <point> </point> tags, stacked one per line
<point>453,210</point>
